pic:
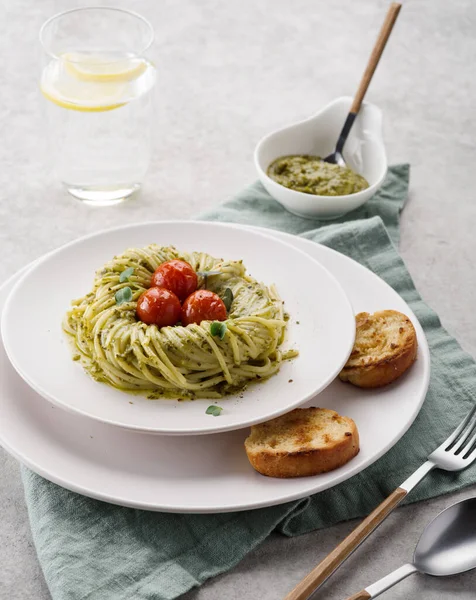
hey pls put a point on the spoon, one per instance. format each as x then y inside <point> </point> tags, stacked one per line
<point>447,546</point>
<point>392,14</point>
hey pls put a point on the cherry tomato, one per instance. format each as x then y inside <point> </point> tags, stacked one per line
<point>158,306</point>
<point>176,276</point>
<point>203,305</point>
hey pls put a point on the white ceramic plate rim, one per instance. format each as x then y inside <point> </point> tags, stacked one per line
<point>215,424</point>
<point>311,488</point>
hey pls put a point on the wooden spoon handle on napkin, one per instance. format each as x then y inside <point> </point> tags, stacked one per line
<point>333,560</point>
<point>363,595</point>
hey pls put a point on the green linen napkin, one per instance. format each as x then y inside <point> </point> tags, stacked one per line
<point>90,550</point>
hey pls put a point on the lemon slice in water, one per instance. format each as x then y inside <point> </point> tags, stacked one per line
<point>101,68</point>
<point>92,83</point>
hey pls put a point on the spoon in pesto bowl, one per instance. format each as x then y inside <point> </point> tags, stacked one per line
<point>288,162</point>
<point>336,157</point>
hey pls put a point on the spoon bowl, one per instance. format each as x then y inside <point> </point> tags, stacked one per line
<point>447,546</point>
<point>336,158</point>
<point>364,152</point>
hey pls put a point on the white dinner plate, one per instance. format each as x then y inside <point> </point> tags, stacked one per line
<point>321,327</point>
<point>206,473</point>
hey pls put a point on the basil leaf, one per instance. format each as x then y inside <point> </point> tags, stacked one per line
<point>123,295</point>
<point>124,276</point>
<point>218,328</point>
<point>214,410</point>
<point>227,299</point>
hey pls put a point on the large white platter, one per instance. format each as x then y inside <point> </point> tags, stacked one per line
<point>321,327</point>
<point>206,473</point>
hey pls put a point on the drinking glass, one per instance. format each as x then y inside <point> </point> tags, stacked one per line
<point>98,84</point>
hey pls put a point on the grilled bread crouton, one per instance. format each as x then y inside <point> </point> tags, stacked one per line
<point>305,441</point>
<point>385,347</point>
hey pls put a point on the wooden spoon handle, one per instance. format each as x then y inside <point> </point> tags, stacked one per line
<point>362,595</point>
<point>379,47</point>
<point>333,560</point>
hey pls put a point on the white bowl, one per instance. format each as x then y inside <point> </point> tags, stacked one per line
<point>364,152</point>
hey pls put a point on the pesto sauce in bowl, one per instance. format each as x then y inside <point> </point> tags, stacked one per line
<point>311,175</point>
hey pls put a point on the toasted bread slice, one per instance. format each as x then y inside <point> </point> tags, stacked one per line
<point>306,441</point>
<point>385,347</point>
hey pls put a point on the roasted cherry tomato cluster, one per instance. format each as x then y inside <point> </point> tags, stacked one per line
<point>174,297</point>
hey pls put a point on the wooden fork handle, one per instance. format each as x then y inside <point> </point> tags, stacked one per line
<point>333,560</point>
<point>377,52</point>
<point>363,595</point>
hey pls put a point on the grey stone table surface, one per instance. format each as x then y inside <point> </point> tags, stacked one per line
<point>229,72</point>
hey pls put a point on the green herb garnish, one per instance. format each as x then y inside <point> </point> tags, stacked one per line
<point>123,295</point>
<point>206,275</point>
<point>124,276</point>
<point>218,328</point>
<point>227,299</point>
<point>214,410</point>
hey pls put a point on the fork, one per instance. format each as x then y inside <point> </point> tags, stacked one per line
<point>457,452</point>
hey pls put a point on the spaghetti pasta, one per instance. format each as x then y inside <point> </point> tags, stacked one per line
<point>177,362</point>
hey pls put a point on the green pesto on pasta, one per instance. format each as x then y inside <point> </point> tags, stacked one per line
<point>177,362</point>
